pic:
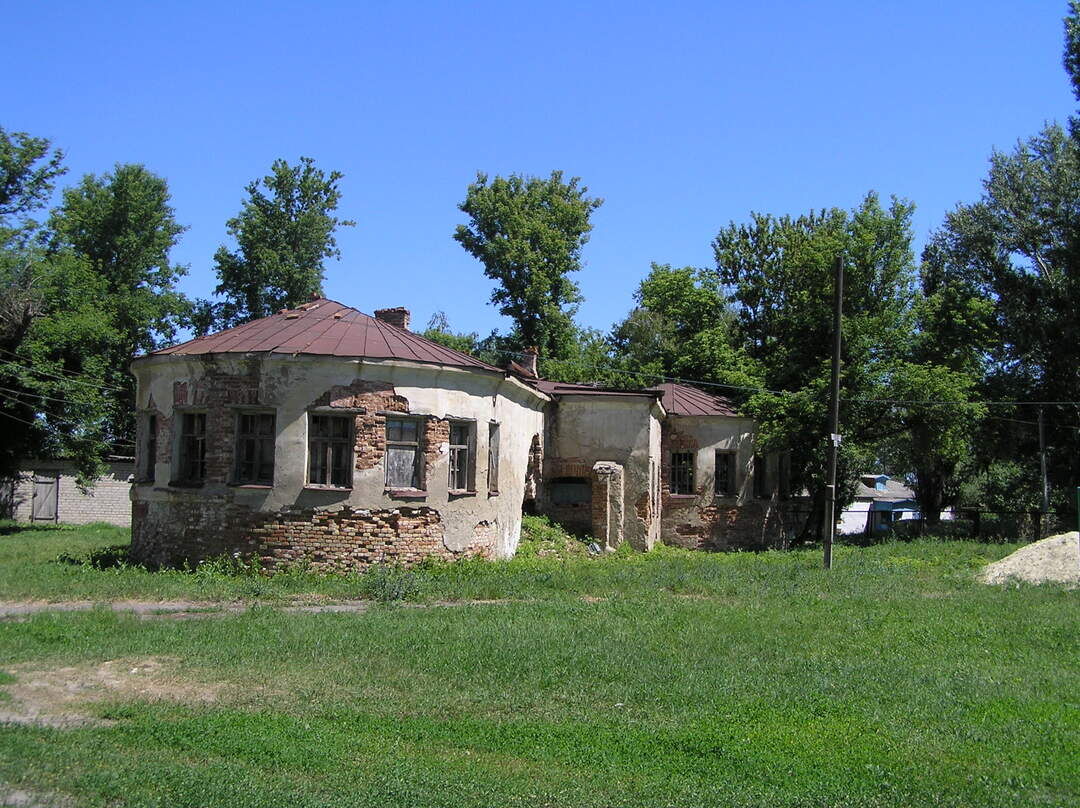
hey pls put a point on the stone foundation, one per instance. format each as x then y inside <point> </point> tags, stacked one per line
<point>328,541</point>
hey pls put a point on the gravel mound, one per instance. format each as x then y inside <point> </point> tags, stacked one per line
<point>1054,559</point>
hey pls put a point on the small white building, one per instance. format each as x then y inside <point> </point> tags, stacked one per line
<point>879,503</point>
<point>47,491</point>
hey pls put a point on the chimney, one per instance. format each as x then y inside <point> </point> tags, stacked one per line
<point>398,316</point>
<point>529,360</point>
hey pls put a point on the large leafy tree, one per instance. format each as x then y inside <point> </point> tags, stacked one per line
<point>121,227</point>
<point>528,233</point>
<point>1012,260</point>
<point>778,274</point>
<point>284,233</point>
<point>29,168</point>
<point>99,289</point>
<point>682,326</point>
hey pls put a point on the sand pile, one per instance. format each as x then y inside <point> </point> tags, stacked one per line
<point>1054,559</point>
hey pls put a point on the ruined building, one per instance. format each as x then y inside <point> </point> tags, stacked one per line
<point>326,436</point>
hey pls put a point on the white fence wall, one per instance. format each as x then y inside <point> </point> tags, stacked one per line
<point>108,501</point>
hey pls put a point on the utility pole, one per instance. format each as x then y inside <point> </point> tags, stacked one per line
<point>1042,465</point>
<point>834,412</point>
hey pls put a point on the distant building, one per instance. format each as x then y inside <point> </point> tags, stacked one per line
<point>46,491</point>
<point>879,503</point>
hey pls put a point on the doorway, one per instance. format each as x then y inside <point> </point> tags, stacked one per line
<point>46,496</point>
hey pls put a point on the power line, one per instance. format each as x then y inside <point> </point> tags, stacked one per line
<point>898,401</point>
<point>31,394</point>
<point>80,378</point>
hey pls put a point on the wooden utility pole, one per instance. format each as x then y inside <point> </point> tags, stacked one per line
<point>834,412</point>
<point>1042,466</point>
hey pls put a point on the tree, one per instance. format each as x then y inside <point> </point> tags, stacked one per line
<point>777,273</point>
<point>528,233</point>
<point>29,168</point>
<point>121,227</point>
<point>1012,262</point>
<point>284,233</point>
<point>438,330</point>
<point>49,312</point>
<point>683,327</point>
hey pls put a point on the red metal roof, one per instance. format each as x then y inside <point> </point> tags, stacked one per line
<point>682,399</point>
<point>326,328</point>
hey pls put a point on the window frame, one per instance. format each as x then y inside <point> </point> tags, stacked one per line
<point>682,473</point>
<point>326,445</point>
<point>726,459</point>
<point>494,449</point>
<point>456,450</point>
<point>416,446</point>
<point>261,440</point>
<point>186,440</point>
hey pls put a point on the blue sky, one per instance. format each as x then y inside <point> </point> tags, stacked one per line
<point>683,116</point>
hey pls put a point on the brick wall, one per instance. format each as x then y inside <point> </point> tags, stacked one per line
<point>329,541</point>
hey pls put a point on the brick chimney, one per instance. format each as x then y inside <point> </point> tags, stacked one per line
<point>398,316</point>
<point>528,360</point>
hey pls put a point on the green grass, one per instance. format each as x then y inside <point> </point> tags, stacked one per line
<point>671,678</point>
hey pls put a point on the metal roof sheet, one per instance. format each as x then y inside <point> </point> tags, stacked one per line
<point>568,389</point>
<point>682,399</point>
<point>326,328</point>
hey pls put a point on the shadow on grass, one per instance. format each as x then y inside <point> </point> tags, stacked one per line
<point>8,528</point>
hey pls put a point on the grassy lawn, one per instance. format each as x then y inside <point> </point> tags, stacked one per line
<point>671,678</point>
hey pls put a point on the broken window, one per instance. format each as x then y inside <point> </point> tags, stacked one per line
<point>724,475</point>
<point>330,450</point>
<point>570,491</point>
<point>785,475</point>
<point>493,458</point>
<point>761,477</point>
<point>148,454</point>
<point>682,472</point>
<point>402,453</point>
<point>255,448</point>
<point>192,447</point>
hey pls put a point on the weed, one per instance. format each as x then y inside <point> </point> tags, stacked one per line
<point>389,583</point>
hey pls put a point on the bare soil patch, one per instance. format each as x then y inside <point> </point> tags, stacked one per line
<point>1055,559</point>
<point>53,697</point>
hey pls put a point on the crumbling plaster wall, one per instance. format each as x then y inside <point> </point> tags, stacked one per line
<point>704,519</point>
<point>586,429</point>
<point>292,386</point>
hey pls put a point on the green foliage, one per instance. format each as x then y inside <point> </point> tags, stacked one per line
<point>1071,58</point>
<point>29,168</point>
<point>528,233</point>
<point>284,233</point>
<point>542,538</point>
<point>778,273</point>
<point>1011,262</point>
<point>105,290</point>
<point>390,583</point>
<point>683,327</point>
<point>80,298</point>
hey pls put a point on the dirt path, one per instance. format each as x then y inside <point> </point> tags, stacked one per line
<point>194,609</point>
